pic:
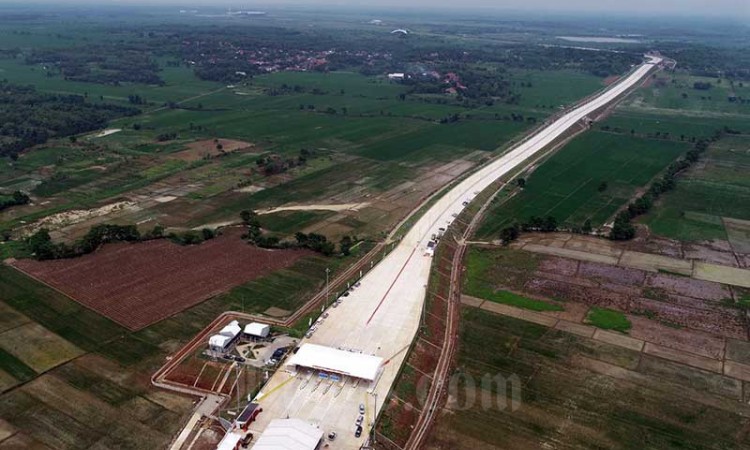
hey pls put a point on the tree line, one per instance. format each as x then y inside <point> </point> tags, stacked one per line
<point>16,198</point>
<point>311,241</point>
<point>30,117</point>
<point>623,229</point>
<point>42,247</point>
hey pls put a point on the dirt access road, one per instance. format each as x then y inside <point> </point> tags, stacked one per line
<point>381,317</point>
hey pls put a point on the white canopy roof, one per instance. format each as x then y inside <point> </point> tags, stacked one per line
<point>219,341</point>
<point>289,434</point>
<point>229,442</point>
<point>329,359</point>
<point>257,329</point>
<point>231,330</point>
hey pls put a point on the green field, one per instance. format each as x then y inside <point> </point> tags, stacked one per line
<point>483,279</point>
<point>717,188</point>
<point>562,400</point>
<point>677,92</point>
<point>69,405</point>
<point>679,125</point>
<point>567,185</point>
<point>372,143</point>
<point>608,319</point>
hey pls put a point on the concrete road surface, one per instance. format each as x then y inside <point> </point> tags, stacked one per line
<point>382,315</point>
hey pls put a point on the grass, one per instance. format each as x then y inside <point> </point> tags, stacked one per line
<point>480,280</point>
<point>57,313</point>
<point>711,190</point>
<point>676,92</point>
<point>659,409</point>
<point>678,125</point>
<point>566,186</point>
<point>15,367</point>
<point>608,319</point>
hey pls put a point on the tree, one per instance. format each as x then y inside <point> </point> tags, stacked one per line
<point>249,218</point>
<point>346,245</point>
<point>622,230</point>
<point>586,228</point>
<point>602,186</point>
<point>521,182</point>
<point>207,234</point>
<point>550,224</point>
<point>509,234</point>
<point>157,231</point>
<point>40,243</point>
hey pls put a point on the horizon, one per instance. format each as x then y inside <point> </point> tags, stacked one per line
<point>729,10</point>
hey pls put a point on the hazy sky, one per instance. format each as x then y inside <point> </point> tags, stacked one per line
<point>638,7</point>
<point>736,9</point>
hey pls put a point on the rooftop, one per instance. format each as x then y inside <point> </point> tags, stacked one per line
<point>343,362</point>
<point>289,434</point>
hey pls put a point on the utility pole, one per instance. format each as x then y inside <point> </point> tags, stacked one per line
<point>328,292</point>
<point>374,417</point>
<point>237,365</point>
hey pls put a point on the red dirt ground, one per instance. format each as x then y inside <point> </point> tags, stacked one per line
<point>137,285</point>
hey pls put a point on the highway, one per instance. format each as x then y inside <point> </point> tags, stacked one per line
<point>382,315</point>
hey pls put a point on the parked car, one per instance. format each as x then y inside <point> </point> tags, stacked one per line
<point>361,408</point>
<point>331,435</point>
<point>360,419</point>
<point>358,431</point>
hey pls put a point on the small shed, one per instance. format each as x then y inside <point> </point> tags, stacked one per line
<point>257,330</point>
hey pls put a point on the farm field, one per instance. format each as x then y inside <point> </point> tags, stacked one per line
<point>79,380</point>
<point>294,108</point>
<point>563,379</point>
<point>711,200</point>
<point>139,284</point>
<point>568,185</point>
<point>677,125</point>
<point>374,145</point>
<point>653,344</point>
<point>676,91</point>
<point>663,296</point>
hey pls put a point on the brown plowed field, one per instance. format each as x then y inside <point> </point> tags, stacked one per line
<point>140,284</point>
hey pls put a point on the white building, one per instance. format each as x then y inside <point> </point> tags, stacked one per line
<point>225,338</point>
<point>289,434</point>
<point>397,76</point>
<point>339,362</point>
<point>257,330</point>
<point>219,343</point>
<point>232,330</point>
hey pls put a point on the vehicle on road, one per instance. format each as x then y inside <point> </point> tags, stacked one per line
<point>360,419</point>
<point>332,436</point>
<point>358,431</point>
<point>361,408</point>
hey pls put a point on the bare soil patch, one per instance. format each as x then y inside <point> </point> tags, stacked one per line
<point>209,148</point>
<point>140,284</point>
